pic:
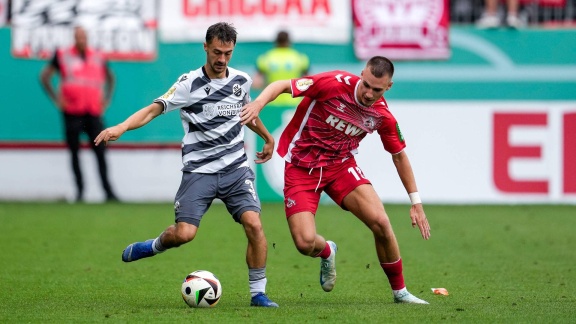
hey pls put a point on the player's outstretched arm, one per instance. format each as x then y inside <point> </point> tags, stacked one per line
<point>406,175</point>
<point>251,110</point>
<point>268,150</point>
<point>136,120</point>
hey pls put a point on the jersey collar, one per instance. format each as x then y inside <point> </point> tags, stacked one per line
<point>206,74</point>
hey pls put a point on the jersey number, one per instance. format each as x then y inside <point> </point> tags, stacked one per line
<point>356,172</point>
<point>251,188</point>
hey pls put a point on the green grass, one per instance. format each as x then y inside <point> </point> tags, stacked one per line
<point>501,264</point>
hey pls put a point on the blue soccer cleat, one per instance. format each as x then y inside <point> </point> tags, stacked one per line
<point>261,300</point>
<point>328,269</point>
<point>137,251</point>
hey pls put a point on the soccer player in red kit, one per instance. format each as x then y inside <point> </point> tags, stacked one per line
<point>338,110</point>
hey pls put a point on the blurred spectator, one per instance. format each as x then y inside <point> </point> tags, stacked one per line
<point>491,19</point>
<point>281,62</point>
<point>86,85</point>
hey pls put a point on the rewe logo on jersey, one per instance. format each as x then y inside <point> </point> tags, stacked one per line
<point>344,126</point>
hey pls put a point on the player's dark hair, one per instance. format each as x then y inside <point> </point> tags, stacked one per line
<point>225,32</point>
<point>380,66</point>
<point>283,38</point>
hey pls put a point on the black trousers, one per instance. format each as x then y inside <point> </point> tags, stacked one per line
<point>91,125</point>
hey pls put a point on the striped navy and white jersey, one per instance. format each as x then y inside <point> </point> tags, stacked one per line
<point>213,136</point>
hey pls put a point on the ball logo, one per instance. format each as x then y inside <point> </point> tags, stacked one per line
<point>304,84</point>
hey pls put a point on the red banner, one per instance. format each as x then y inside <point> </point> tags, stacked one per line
<point>401,29</point>
<point>545,3</point>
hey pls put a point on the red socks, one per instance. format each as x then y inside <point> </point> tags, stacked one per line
<point>325,253</point>
<point>394,273</point>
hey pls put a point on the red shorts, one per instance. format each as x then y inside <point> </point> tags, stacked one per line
<point>303,186</point>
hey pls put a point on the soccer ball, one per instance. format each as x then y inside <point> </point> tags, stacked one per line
<point>201,288</point>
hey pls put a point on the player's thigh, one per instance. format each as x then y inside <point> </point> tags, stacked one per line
<point>302,227</point>
<point>300,190</point>
<point>365,204</point>
<point>194,197</point>
<point>236,189</point>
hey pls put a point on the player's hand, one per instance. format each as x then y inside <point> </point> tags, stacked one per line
<point>60,103</point>
<point>266,153</point>
<point>109,134</point>
<point>250,112</point>
<point>419,219</point>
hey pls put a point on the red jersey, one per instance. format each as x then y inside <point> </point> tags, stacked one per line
<point>329,122</point>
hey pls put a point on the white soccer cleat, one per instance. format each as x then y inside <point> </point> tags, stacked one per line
<point>328,269</point>
<point>405,297</point>
<point>514,22</point>
<point>488,21</point>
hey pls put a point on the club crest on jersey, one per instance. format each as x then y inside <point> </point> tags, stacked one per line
<point>304,84</point>
<point>209,110</point>
<point>369,123</point>
<point>237,90</point>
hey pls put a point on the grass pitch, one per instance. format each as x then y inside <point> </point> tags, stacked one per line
<point>61,263</point>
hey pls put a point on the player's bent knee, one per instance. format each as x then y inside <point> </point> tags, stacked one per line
<point>251,221</point>
<point>305,247</point>
<point>184,233</point>
<point>381,226</point>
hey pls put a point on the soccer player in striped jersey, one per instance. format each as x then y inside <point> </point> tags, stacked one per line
<point>338,110</point>
<point>215,164</point>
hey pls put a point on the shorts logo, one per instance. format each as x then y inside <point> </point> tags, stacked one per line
<point>237,90</point>
<point>290,203</point>
<point>209,110</point>
<point>176,206</point>
<point>304,84</point>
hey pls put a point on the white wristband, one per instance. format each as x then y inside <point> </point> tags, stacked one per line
<point>415,198</point>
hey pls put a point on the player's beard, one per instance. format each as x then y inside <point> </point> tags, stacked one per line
<point>218,68</point>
